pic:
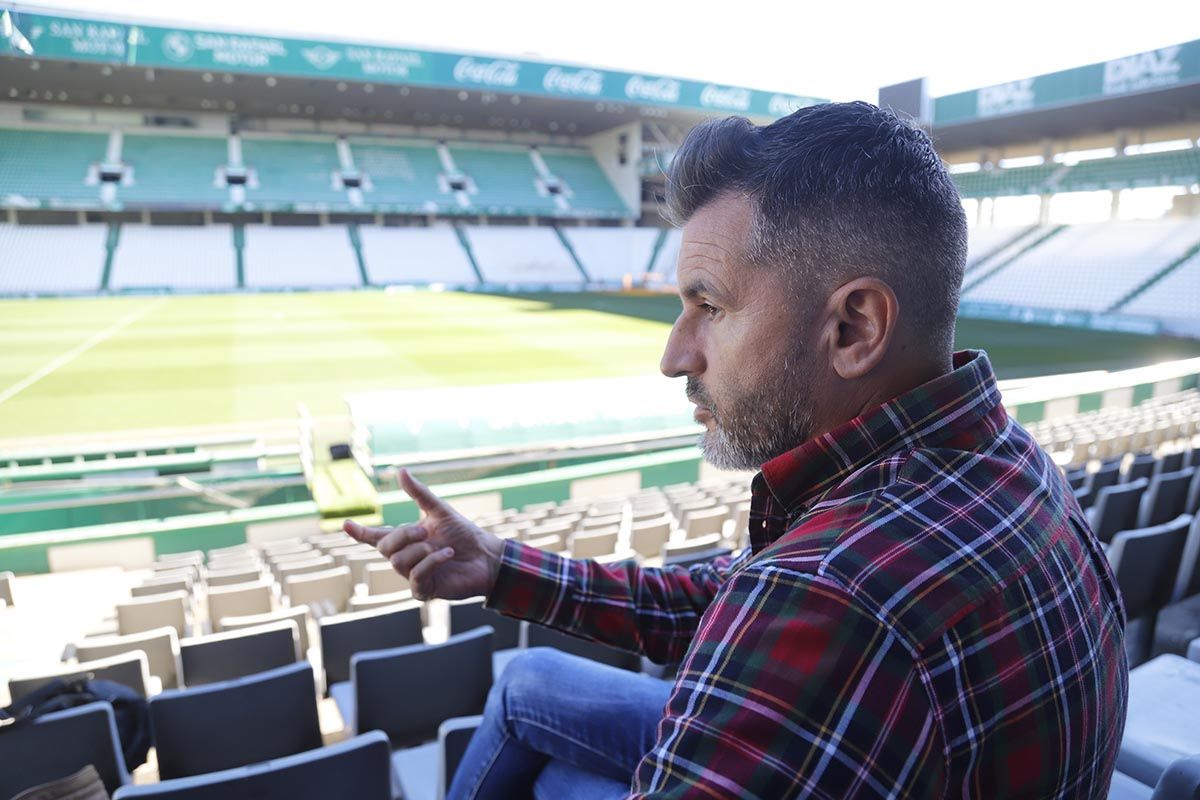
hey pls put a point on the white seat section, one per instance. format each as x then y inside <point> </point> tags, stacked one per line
<point>415,255</point>
<point>1089,267</point>
<point>984,240</point>
<point>1176,295</point>
<point>176,257</point>
<point>522,255</point>
<point>301,257</point>
<point>668,255</point>
<point>51,258</point>
<point>609,254</point>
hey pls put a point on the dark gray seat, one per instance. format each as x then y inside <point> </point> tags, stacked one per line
<point>343,635</point>
<point>535,635</point>
<point>1192,504</point>
<point>1165,498</point>
<point>1180,781</point>
<point>356,768</point>
<point>236,654</point>
<point>59,744</point>
<point>235,723</point>
<point>1178,624</point>
<point>1142,466</point>
<point>407,692</point>
<point>471,614</point>
<point>425,772</point>
<point>1160,727</point>
<point>1108,475</point>
<point>1116,508</point>
<point>1146,564</point>
<point>1170,462</point>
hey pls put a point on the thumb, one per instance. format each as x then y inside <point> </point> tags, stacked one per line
<point>426,500</point>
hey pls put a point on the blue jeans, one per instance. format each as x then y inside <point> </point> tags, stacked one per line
<point>557,726</point>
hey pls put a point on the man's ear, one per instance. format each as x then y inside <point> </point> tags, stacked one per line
<point>862,316</point>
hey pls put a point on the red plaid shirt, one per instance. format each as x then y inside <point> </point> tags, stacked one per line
<point>922,612</point>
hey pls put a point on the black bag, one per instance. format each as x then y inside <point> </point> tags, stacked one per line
<point>130,709</point>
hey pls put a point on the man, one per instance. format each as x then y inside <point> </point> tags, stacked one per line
<point>922,611</point>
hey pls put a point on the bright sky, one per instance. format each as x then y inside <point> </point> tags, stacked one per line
<point>841,50</point>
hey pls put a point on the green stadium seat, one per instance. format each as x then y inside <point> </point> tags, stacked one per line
<point>50,166</point>
<point>505,180</point>
<point>589,190</point>
<point>173,170</point>
<point>292,173</point>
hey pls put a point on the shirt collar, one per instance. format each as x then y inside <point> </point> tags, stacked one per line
<point>927,415</point>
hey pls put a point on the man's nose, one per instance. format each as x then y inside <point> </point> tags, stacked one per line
<point>682,356</point>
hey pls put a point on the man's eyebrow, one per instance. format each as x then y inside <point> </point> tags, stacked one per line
<point>698,288</point>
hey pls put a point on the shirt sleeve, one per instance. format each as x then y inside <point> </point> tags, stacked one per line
<point>792,690</point>
<point>643,609</point>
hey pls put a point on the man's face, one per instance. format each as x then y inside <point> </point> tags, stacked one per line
<point>740,342</point>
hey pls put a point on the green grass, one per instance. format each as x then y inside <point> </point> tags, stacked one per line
<point>193,361</point>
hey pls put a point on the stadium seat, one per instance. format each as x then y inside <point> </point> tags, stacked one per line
<point>58,744</point>
<point>1161,723</point>
<point>233,573</point>
<point>372,602</point>
<point>233,723</point>
<point>325,592</point>
<point>1142,466</point>
<point>407,692</point>
<point>594,543</point>
<point>466,615</point>
<point>160,645</point>
<point>7,579</point>
<point>298,614</point>
<point>235,654</point>
<point>382,578</point>
<point>1176,627</point>
<point>344,635</point>
<point>1107,475</point>
<point>162,585</point>
<point>357,768</point>
<point>307,566</point>
<point>359,562</point>
<point>425,772</point>
<point>1146,564</point>
<point>1187,583</point>
<point>1165,498</point>
<point>1192,506</point>
<point>156,611</point>
<point>239,599</point>
<point>648,537</point>
<point>535,635</point>
<point>1193,652</point>
<point>127,669</point>
<point>1169,462</point>
<point>1116,508</point>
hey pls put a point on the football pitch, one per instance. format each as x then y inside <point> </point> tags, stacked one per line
<point>76,366</point>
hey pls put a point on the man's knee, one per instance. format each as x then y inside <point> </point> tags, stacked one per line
<point>531,669</point>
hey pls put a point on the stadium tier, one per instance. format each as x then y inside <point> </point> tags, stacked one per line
<point>308,258</point>
<point>1089,267</point>
<point>609,254</point>
<point>522,256</point>
<point>52,258</point>
<point>1000,182</point>
<point>62,169</point>
<point>198,258</point>
<point>415,255</point>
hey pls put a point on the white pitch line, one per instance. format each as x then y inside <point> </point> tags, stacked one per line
<point>77,351</point>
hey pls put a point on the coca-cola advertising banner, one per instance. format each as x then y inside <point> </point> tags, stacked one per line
<point>78,39</point>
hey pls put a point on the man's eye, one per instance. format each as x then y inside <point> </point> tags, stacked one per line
<point>711,310</point>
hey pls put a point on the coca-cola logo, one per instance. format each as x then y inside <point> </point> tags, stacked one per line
<point>730,98</point>
<point>488,73</point>
<point>657,90</point>
<point>780,105</point>
<point>581,81</point>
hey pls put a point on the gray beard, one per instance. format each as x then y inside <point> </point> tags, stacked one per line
<point>750,430</point>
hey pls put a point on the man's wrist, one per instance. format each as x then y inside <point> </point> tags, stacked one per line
<point>493,548</point>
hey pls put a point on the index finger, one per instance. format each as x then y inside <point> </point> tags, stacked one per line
<point>361,533</point>
<point>426,500</point>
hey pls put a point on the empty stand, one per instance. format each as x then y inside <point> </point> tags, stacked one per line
<point>609,254</point>
<point>668,255</point>
<point>1000,182</point>
<point>415,255</point>
<point>51,258</point>
<point>522,256</point>
<point>173,170</point>
<point>300,257</point>
<point>292,173</point>
<point>1169,168</point>
<point>1088,267</point>
<point>45,165</point>
<point>176,257</point>
<point>504,179</point>
<point>588,188</point>
<point>401,176</point>
<point>1173,296</point>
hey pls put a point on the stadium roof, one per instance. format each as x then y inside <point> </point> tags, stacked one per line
<point>83,56</point>
<point>1157,87</point>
